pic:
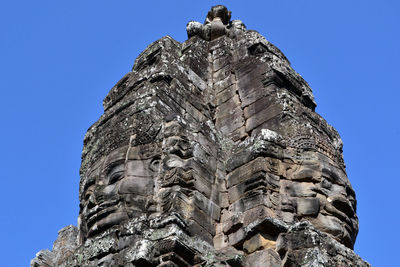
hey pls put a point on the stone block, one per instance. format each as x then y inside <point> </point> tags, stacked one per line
<point>258,180</point>
<point>328,224</point>
<point>236,238</point>
<point>206,205</point>
<point>172,259</point>
<point>221,62</point>
<point>194,112</point>
<point>270,227</point>
<point>196,80</point>
<point>287,217</point>
<point>233,223</point>
<point>263,258</point>
<point>262,116</point>
<point>200,232</point>
<point>205,159</point>
<point>225,215</point>
<point>230,122</point>
<point>175,250</point>
<point>256,198</point>
<point>296,189</point>
<point>222,73</point>
<point>306,174</point>
<point>249,168</point>
<point>219,51</point>
<point>252,182</point>
<point>184,206</point>
<point>257,242</point>
<point>249,90</point>
<point>220,241</point>
<point>262,104</point>
<point>257,213</point>
<point>307,206</point>
<point>226,94</point>
<point>207,144</point>
<point>238,134</point>
<point>221,85</point>
<point>256,94</point>
<point>228,107</point>
<point>223,200</point>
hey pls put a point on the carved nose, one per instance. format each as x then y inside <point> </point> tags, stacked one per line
<point>342,204</point>
<point>217,28</point>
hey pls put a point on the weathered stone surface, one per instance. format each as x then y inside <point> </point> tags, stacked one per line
<point>303,245</point>
<point>307,206</point>
<point>209,153</point>
<point>43,258</point>
<point>258,242</point>
<point>264,258</point>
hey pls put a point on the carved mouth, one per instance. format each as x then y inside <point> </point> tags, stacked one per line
<point>341,208</point>
<point>98,208</point>
<point>100,212</point>
<point>105,220</point>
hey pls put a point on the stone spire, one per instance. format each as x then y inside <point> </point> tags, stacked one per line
<point>210,153</point>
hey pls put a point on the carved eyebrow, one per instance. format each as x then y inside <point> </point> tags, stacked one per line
<point>86,186</point>
<point>89,180</point>
<point>116,169</point>
<point>331,175</point>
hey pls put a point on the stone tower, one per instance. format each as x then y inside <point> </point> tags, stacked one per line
<point>210,153</point>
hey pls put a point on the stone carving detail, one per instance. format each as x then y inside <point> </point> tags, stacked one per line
<point>209,153</point>
<point>218,23</point>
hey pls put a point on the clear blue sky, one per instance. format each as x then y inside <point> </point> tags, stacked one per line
<point>58,60</point>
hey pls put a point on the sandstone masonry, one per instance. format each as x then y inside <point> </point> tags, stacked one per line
<point>210,153</point>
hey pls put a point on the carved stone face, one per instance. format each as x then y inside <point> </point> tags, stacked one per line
<point>323,195</point>
<point>271,180</point>
<point>220,12</point>
<point>120,186</point>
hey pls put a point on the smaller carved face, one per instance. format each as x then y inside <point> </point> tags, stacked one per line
<point>340,205</point>
<point>119,187</point>
<point>221,12</point>
<point>325,197</point>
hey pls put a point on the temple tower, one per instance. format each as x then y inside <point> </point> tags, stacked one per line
<point>210,153</point>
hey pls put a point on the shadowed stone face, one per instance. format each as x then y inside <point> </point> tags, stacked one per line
<point>120,186</point>
<point>267,178</point>
<point>324,197</point>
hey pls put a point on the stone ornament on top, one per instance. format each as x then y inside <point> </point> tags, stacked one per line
<point>218,23</point>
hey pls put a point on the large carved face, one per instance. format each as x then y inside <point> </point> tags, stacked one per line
<point>119,186</point>
<point>272,180</point>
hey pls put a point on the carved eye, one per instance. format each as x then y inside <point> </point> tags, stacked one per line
<point>155,164</point>
<point>88,189</point>
<point>115,172</point>
<point>114,177</point>
<point>87,195</point>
